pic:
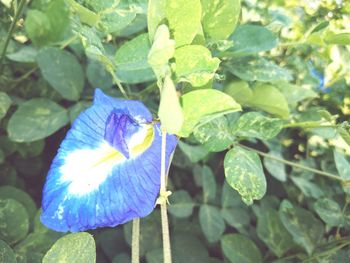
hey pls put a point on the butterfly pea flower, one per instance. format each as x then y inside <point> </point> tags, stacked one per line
<point>107,169</point>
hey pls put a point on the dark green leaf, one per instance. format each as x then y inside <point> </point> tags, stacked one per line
<point>212,223</point>
<point>194,152</point>
<point>6,253</point>
<point>5,103</point>
<point>209,184</point>
<point>181,204</point>
<point>276,168</point>
<point>330,212</point>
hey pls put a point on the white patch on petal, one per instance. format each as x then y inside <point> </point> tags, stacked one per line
<point>86,169</point>
<point>138,137</point>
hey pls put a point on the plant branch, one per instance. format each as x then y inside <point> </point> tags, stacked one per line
<point>9,35</point>
<point>135,244</point>
<point>310,125</point>
<point>303,167</point>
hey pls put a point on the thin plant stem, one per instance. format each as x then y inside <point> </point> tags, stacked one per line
<point>12,28</point>
<point>117,82</point>
<point>309,125</point>
<point>163,204</point>
<point>135,243</point>
<point>303,167</point>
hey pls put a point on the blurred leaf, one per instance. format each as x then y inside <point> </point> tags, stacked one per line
<point>209,184</point>
<point>181,204</point>
<point>195,153</point>
<point>195,64</point>
<point>5,103</point>
<point>269,99</point>
<point>184,18</point>
<point>63,71</point>
<point>214,135</point>
<point>208,103</point>
<point>330,212</point>
<point>14,221</point>
<point>170,112</point>
<point>249,40</point>
<point>117,18</point>
<point>271,230</point>
<point>132,60</point>
<point>276,168</point>
<point>76,109</point>
<point>189,249</point>
<point>212,223</point>
<point>238,248</point>
<point>85,15</point>
<point>257,69</point>
<point>338,39</point>
<point>307,187</point>
<point>343,166</point>
<point>155,15</point>
<point>122,258</point>
<point>239,90</point>
<point>230,197</point>
<point>219,18</point>
<point>25,54</point>
<point>256,125</point>
<point>98,76</point>
<point>306,230</point>
<point>6,253</point>
<point>72,248</point>
<point>244,173</point>
<point>36,119</point>
<point>112,242</point>
<point>237,217</point>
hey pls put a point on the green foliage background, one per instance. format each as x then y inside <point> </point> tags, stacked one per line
<point>262,171</point>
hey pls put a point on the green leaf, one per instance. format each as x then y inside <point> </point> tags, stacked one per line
<point>195,65</point>
<point>155,15</point>
<point>220,17</point>
<point>254,124</point>
<point>10,192</point>
<point>338,39</point>
<point>188,248</point>
<point>6,253</point>
<point>163,49</point>
<point>271,230</point>
<point>257,69</point>
<point>85,15</point>
<point>275,168</point>
<point>181,204</point>
<point>5,103</point>
<point>194,152</point>
<point>342,164</point>
<point>72,248</point>
<point>98,76</point>
<point>76,109</point>
<point>215,135</point>
<point>244,172</point>
<point>307,187</point>
<point>239,90</point>
<point>344,134</point>
<point>209,184</point>
<point>26,54</point>
<point>307,231</point>
<point>170,112</point>
<point>63,71</point>
<point>270,99</point>
<point>184,19</point>
<point>38,27</point>
<point>212,223</point>
<point>204,105</point>
<point>250,40</point>
<point>132,60</point>
<point>230,197</point>
<point>330,212</point>
<point>238,248</point>
<point>36,119</point>
<point>237,217</point>
<point>14,221</point>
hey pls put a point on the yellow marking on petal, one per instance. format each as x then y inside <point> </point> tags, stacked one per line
<point>148,140</point>
<point>110,154</point>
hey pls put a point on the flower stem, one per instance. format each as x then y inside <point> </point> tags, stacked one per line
<point>163,204</point>
<point>135,244</point>
<point>12,28</point>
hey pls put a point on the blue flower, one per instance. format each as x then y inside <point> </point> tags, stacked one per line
<point>107,169</point>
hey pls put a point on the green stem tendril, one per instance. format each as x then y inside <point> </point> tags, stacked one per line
<point>135,244</point>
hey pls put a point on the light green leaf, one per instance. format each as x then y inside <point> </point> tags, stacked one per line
<point>257,69</point>
<point>14,221</point>
<point>194,152</point>
<point>330,212</point>
<point>181,204</point>
<point>37,27</point>
<point>163,49</point>
<point>195,64</point>
<point>271,230</point>
<point>209,184</point>
<point>132,60</point>
<point>275,168</point>
<point>85,15</point>
<point>212,223</point>
<point>254,124</point>
<point>101,4</point>
<point>244,172</point>
<point>63,71</point>
<point>5,103</point>
<point>307,231</point>
<point>239,90</point>
<point>117,18</point>
<point>238,248</point>
<point>184,18</point>
<point>270,99</point>
<point>220,17</point>
<point>338,39</point>
<point>6,253</point>
<point>215,135</point>
<point>344,134</point>
<point>250,40</point>
<point>170,112</point>
<point>155,15</point>
<point>72,248</point>
<point>36,119</point>
<point>342,164</point>
<point>204,105</point>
